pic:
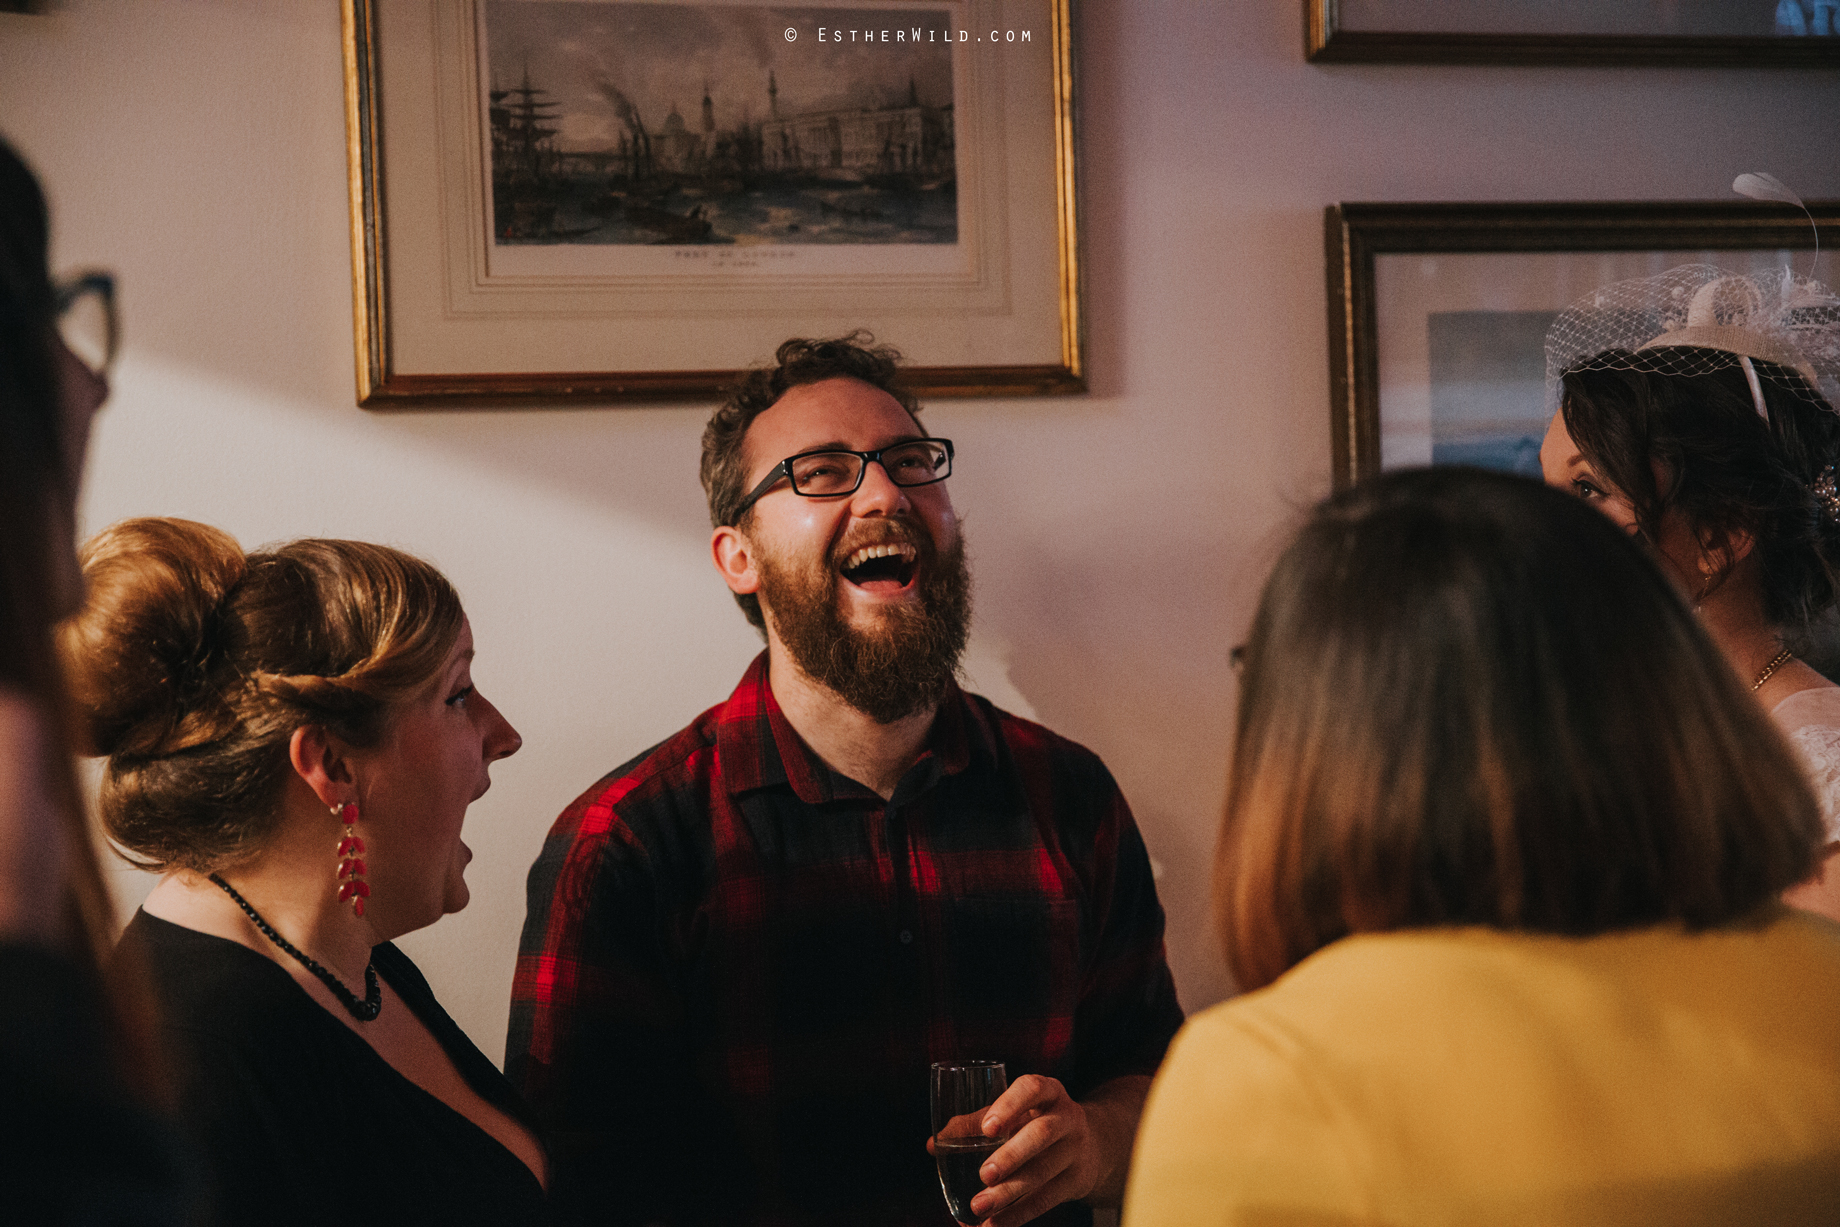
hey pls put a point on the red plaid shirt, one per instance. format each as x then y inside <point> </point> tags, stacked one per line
<point>738,964</point>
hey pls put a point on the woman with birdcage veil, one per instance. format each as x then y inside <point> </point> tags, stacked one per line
<point>1697,409</point>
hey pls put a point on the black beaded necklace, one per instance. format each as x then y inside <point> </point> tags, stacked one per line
<point>363,1011</point>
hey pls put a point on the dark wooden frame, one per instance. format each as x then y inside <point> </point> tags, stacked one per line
<point>1354,234</point>
<point>1326,43</point>
<point>381,387</point>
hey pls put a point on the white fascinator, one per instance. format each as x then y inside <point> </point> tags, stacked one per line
<point>1695,319</point>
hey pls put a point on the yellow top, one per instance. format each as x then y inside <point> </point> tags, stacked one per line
<point>1448,1076</point>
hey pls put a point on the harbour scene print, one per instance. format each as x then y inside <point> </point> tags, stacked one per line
<point>659,124</point>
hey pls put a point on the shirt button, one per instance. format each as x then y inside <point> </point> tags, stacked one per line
<point>907,937</point>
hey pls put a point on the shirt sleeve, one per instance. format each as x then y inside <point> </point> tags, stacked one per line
<point>1128,1011</point>
<point>1234,1133</point>
<point>598,1039</point>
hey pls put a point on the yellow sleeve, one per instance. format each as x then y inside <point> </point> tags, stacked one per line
<point>1235,1133</point>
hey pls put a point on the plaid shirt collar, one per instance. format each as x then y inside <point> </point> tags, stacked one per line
<point>759,748</point>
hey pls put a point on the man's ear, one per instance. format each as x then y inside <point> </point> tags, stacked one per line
<point>734,558</point>
<point>320,761</point>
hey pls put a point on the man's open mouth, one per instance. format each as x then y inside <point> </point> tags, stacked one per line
<point>884,568</point>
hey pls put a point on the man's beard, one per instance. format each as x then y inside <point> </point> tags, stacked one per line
<point>902,664</point>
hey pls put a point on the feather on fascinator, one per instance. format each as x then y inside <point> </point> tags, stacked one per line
<point>1695,319</point>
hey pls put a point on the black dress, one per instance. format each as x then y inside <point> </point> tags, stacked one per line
<point>300,1121</point>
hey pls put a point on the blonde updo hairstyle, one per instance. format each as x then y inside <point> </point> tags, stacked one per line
<point>192,663</point>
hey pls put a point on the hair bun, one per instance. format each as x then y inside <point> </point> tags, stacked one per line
<point>144,653</point>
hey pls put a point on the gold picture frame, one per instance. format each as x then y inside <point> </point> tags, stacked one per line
<point>439,323</point>
<point>1437,312</point>
<point>1331,37</point>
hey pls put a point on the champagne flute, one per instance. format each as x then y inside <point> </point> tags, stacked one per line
<point>961,1095</point>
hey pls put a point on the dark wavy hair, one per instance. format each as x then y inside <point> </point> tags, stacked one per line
<point>1695,444</point>
<point>796,362</point>
<point>1468,699</point>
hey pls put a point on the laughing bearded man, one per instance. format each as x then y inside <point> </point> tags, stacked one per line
<point>746,946</point>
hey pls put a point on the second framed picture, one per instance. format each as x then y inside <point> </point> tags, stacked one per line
<point>1438,312</point>
<point>1606,33</point>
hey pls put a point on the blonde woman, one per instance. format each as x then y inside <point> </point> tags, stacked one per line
<point>293,738</point>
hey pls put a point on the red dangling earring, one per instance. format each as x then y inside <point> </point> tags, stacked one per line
<point>350,876</point>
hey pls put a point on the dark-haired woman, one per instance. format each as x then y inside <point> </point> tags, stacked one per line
<point>79,1139</point>
<point>1499,870</point>
<point>1696,411</point>
<point>293,738</point>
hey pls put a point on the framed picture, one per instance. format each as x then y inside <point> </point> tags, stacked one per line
<point>1786,33</point>
<point>597,201</point>
<point>1438,312</point>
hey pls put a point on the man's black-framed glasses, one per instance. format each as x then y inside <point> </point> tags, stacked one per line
<point>831,473</point>
<point>86,319</point>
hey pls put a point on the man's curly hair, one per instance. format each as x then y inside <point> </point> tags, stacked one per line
<point>796,362</point>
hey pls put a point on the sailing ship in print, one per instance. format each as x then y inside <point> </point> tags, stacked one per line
<point>780,143</point>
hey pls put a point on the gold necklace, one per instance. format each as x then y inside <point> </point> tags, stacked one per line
<point>1776,662</point>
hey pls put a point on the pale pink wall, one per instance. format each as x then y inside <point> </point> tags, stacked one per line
<point>198,147</point>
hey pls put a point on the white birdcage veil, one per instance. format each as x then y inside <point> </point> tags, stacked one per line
<point>1696,319</point>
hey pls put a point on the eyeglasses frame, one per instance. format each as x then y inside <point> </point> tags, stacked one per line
<point>784,470</point>
<point>69,289</point>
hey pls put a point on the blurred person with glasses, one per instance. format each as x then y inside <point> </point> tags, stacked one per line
<point>86,320</point>
<point>80,1139</point>
<point>746,946</point>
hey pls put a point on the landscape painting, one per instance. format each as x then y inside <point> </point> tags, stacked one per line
<point>1452,367</point>
<point>1488,388</point>
<point>654,124</point>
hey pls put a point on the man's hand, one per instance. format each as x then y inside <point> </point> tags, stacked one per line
<point>1060,1150</point>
